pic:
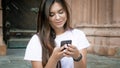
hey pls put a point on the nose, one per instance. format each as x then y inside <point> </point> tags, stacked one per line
<point>57,16</point>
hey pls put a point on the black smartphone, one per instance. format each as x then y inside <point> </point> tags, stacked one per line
<point>66,42</point>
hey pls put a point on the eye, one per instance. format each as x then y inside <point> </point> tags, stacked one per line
<point>61,12</point>
<point>51,14</point>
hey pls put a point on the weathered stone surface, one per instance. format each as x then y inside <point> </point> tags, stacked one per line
<point>14,59</point>
<point>100,50</point>
<point>3,50</point>
<point>114,41</point>
<point>91,48</point>
<point>103,40</point>
<point>112,51</point>
<point>118,52</point>
<point>101,31</point>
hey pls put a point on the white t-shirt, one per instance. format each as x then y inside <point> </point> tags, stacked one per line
<point>34,49</point>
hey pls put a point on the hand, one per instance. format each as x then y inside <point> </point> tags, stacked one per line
<point>72,51</point>
<point>58,53</point>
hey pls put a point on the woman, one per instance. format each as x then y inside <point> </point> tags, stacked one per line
<point>44,50</point>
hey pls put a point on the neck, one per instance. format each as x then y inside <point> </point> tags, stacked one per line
<point>59,31</point>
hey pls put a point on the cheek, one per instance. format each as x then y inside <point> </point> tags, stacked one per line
<point>65,16</point>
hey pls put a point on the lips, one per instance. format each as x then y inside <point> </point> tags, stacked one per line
<point>60,22</point>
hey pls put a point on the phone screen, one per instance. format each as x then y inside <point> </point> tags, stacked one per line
<point>66,42</point>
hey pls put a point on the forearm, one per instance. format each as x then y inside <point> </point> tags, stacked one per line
<point>51,63</point>
<point>80,64</point>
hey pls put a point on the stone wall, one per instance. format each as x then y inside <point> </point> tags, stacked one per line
<point>2,45</point>
<point>100,20</point>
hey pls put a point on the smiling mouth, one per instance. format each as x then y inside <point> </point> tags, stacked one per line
<point>59,22</point>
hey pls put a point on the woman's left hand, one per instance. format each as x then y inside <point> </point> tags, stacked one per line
<point>72,51</point>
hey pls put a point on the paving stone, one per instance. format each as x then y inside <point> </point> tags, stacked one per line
<point>95,61</point>
<point>15,60</point>
<point>4,60</point>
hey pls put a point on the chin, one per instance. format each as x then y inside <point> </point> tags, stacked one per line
<point>59,27</point>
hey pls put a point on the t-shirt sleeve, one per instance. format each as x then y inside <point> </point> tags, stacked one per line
<point>33,50</point>
<point>82,40</point>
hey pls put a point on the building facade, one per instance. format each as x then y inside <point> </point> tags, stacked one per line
<point>99,19</point>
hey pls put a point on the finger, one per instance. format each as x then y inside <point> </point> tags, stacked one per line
<point>71,46</point>
<point>69,52</point>
<point>56,49</point>
<point>62,53</point>
<point>65,55</point>
<point>64,47</point>
<point>70,49</point>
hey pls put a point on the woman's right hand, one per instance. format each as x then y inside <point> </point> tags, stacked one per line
<point>58,53</point>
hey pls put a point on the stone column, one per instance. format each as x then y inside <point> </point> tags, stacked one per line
<point>100,20</point>
<point>2,44</point>
<point>116,12</point>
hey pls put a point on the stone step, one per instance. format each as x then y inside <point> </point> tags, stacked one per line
<point>18,30</point>
<point>21,33</point>
<point>17,42</point>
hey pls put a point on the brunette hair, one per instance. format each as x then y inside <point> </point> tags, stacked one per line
<point>45,31</point>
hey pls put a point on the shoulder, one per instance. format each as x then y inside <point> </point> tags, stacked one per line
<point>34,41</point>
<point>78,32</point>
<point>33,50</point>
<point>81,39</point>
<point>34,37</point>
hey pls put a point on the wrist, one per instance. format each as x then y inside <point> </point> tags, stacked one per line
<point>51,63</point>
<point>77,59</point>
<point>54,58</point>
<point>51,59</point>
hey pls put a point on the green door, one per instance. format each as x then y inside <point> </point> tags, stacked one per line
<point>19,21</point>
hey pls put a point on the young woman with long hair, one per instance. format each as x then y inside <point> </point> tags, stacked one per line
<point>46,49</point>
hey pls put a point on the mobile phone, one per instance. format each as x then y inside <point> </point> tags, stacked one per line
<point>66,42</point>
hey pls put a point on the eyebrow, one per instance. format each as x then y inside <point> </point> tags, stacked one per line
<point>58,10</point>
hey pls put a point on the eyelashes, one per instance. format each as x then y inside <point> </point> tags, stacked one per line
<point>51,14</point>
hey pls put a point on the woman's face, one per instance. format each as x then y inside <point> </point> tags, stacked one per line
<point>57,16</point>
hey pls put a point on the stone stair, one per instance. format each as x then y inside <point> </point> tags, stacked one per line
<point>18,42</point>
<point>19,38</point>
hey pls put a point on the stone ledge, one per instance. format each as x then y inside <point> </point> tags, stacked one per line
<point>102,32</point>
<point>98,26</point>
<point>105,51</point>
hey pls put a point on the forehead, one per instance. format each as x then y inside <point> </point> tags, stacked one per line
<point>56,7</point>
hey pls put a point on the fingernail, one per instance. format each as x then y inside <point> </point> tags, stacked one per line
<point>69,44</point>
<point>66,46</point>
<point>64,50</point>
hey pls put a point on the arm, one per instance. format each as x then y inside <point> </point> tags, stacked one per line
<point>75,53</point>
<point>52,61</point>
<point>82,62</point>
<point>38,64</point>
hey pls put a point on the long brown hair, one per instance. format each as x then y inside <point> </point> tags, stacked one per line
<point>45,31</point>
